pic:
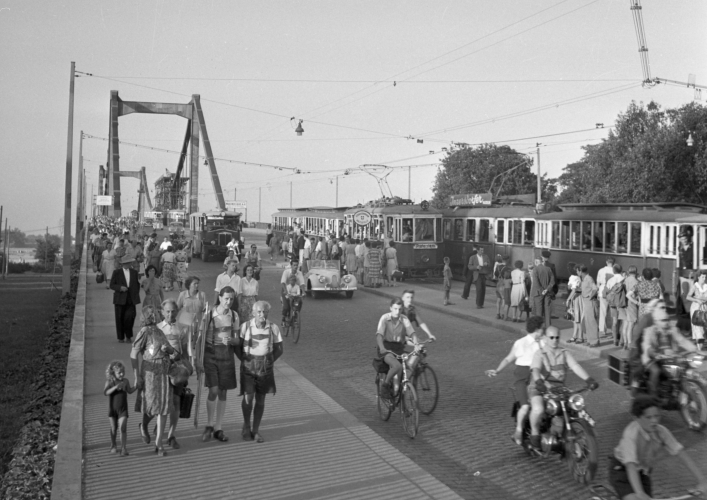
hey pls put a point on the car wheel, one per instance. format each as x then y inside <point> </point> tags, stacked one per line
<point>349,294</point>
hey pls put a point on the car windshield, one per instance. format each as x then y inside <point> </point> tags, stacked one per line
<point>324,264</point>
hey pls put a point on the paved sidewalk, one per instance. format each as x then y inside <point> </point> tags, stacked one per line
<point>314,448</point>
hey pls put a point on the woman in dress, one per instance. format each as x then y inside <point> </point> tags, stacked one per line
<point>139,259</point>
<point>169,269</point>
<point>108,264</point>
<point>151,376</point>
<point>274,247</point>
<point>152,257</point>
<point>374,267</point>
<point>645,290</point>
<point>631,308</point>
<point>698,296</point>
<point>154,296</point>
<point>181,257</point>
<point>351,261</point>
<point>574,304</point>
<point>191,303</point>
<point>252,258</point>
<point>248,294</point>
<point>517,289</point>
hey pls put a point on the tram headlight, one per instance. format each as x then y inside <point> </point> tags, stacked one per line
<point>577,402</point>
<point>213,242</point>
<point>425,259</point>
<point>551,407</point>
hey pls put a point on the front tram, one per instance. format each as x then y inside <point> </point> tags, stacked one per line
<point>415,229</point>
<point>316,221</point>
<point>211,233</point>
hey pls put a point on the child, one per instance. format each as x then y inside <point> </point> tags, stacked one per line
<point>447,274</point>
<point>117,388</point>
<point>293,290</point>
<point>507,285</point>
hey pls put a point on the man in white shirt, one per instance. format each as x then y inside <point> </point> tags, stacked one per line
<point>284,281</point>
<point>165,244</point>
<point>229,278</point>
<point>603,276</point>
<point>522,353</point>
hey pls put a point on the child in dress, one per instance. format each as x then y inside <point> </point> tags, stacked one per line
<point>117,388</point>
<point>447,274</point>
<point>507,285</point>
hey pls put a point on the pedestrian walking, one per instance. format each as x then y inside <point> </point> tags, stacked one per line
<point>191,303</point>
<point>154,296</point>
<point>248,294</point>
<point>543,282</point>
<point>590,305</point>
<point>374,265</point>
<point>126,295</point>
<point>168,263</point>
<point>229,278</point>
<point>367,263</point>
<point>447,275</point>
<point>603,276</point>
<point>477,269</point>
<point>391,261</point>
<point>631,306</point>
<point>108,264</point>
<point>117,389</point>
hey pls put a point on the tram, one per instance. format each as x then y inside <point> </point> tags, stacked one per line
<point>212,231</point>
<point>316,221</point>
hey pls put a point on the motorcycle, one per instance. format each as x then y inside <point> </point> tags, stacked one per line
<point>566,429</point>
<point>681,387</point>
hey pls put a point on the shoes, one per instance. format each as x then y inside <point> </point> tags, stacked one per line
<point>535,442</point>
<point>208,432</point>
<point>450,304</point>
<point>246,434</point>
<point>479,307</point>
<point>571,341</point>
<point>172,441</point>
<point>498,316</point>
<point>465,298</point>
<point>258,438</point>
<point>113,449</point>
<point>517,438</point>
<point>120,341</point>
<point>220,436</point>
<point>124,452</point>
<point>145,437</point>
<point>159,450</point>
<point>594,345</point>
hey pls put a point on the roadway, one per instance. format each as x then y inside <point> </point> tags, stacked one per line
<point>466,443</point>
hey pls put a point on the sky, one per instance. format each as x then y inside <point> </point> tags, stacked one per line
<point>369,79</point>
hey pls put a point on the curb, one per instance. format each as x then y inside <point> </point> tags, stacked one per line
<point>68,461</point>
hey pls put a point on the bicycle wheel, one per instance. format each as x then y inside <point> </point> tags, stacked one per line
<point>385,406</point>
<point>409,410</point>
<point>296,320</point>
<point>427,388</point>
<point>286,327</point>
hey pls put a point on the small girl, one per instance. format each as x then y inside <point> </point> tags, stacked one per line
<point>447,273</point>
<point>117,388</point>
<point>507,285</point>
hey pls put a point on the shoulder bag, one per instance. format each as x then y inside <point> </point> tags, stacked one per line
<point>699,317</point>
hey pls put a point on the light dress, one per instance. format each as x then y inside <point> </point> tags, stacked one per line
<point>698,332</point>
<point>518,287</point>
<point>574,284</point>
<point>248,293</point>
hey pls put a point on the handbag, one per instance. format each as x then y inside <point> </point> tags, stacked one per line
<point>180,371</point>
<point>397,274</point>
<point>699,317</point>
<point>100,278</point>
<point>186,403</point>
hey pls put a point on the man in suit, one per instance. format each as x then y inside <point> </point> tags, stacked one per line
<point>477,269</point>
<point>541,293</point>
<point>126,295</point>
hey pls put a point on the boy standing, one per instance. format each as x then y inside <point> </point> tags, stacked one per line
<point>447,274</point>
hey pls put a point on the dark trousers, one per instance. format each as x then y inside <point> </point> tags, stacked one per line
<point>124,320</point>
<point>467,284</point>
<point>480,290</point>
<point>542,306</point>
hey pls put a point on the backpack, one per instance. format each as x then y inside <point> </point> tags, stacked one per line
<point>616,297</point>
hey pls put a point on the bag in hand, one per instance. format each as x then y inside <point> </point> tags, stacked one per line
<point>100,278</point>
<point>180,371</point>
<point>187,401</point>
<point>699,317</point>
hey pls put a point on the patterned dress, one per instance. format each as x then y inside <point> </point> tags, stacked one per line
<point>153,297</point>
<point>156,393</point>
<point>374,269</point>
<point>191,311</point>
<point>182,265</point>
<point>646,291</point>
<point>248,294</point>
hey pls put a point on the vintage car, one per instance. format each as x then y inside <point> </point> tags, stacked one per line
<point>325,276</point>
<point>176,228</point>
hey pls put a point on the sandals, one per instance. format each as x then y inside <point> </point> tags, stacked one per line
<point>571,341</point>
<point>172,441</point>
<point>145,437</point>
<point>208,432</point>
<point>220,436</point>
<point>258,438</point>
<point>517,438</point>
<point>159,451</point>
<point>246,434</point>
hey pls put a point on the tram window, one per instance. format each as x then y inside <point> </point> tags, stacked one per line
<point>598,242</point>
<point>586,235</point>
<point>500,230</point>
<point>529,232</point>
<point>635,238</point>
<point>517,232</point>
<point>459,229</point>
<point>447,225</point>
<point>471,229</point>
<point>484,229</point>
<point>437,223</point>
<point>565,234</point>
<point>622,246</point>
<point>555,234</point>
<point>575,235</point>
<point>407,230</point>
<point>610,236</point>
<point>424,229</point>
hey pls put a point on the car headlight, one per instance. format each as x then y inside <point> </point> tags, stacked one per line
<point>322,279</point>
<point>577,402</point>
<point>347,278</point>
<point>213,242</point>
<point>695,360</point>
<point>551,407</point>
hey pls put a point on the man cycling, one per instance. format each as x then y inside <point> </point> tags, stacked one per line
<point>291,271</point>
<point>394,329</point>
<point>549,369</point>
<point>662,338</point>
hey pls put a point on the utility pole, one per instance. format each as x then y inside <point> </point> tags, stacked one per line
<point>235,194</point>
<point>409,181</point>
<point>290,194</point>
<point>6,251</point>
<point>79,199</point>
<point>46,247</point>
<point>260,194</point>
<point>66,261</point>
<point>537,146</point>
<point>337,191</point>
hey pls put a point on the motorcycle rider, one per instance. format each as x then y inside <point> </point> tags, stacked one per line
<point>661,338</point>
<point>549,369</point>
<point>522,353</point>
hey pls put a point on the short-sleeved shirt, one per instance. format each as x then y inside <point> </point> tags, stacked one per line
<point>259,341</point>
<point>220,325</point>
<point>524,350</point>
<point>394,331</point>
<point>176,336</point>
<point>224,279</point>
<point>286,277</point>
<point>292,290</point>
<point>645,449</point>
<point>249,288</point>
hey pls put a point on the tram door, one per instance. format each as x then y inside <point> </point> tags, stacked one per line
<point>700,242</point>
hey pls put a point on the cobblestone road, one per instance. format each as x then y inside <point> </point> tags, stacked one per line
<point>466,442</point>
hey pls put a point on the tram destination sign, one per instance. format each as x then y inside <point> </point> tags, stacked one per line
<point>424,246</point>
<point>470,199</point>
<point>362,218</point>
<point>104,201</point>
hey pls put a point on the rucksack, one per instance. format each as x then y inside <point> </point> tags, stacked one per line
<point>616,297</point>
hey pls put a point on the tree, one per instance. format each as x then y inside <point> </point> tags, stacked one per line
<point>47,248</point>
<point>644,159</point>
<point>17,237</point>
<point>480,169</point>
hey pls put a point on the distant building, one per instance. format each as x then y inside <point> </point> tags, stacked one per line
<point>167,195</point>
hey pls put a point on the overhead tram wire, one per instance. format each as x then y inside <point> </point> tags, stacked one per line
<point>304,80</point>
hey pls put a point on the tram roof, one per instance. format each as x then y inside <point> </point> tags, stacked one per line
<point>396,210</point>
<point>321,212</point>
<point>498,211</point>
<point>694,219</point>
<point>217,213</point>
<point>625,215</point>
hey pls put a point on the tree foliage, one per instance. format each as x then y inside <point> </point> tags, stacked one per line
<point>17,237</point>
<point>644,159</point>
<point>478,170</point>
<point>47,248</point>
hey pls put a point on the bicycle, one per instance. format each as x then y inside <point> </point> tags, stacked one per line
<point>293,321</point>
<point>405,398</point>
<point>424,379</point>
